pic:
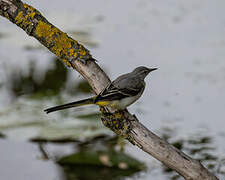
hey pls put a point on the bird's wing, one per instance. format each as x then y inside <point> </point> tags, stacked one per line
<point>112,92</point>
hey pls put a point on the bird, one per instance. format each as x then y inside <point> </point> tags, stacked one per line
<point>119,94</point>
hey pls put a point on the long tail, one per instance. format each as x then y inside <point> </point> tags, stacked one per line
<point>70,105</point>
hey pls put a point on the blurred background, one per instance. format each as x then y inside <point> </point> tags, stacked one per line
<point>183,102</point>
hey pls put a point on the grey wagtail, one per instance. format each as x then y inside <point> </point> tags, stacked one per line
<point>119,94</point>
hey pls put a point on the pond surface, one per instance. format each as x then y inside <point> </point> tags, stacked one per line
<point>184,100</point>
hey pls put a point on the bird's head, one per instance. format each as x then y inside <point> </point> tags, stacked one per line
<point>143,71</point>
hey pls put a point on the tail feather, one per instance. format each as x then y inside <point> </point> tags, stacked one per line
<point>70,105</point>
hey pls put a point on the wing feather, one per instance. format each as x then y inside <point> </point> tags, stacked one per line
<point>111,92</point>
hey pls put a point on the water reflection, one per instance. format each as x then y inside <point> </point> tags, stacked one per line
<point>30,84</point>
<point>93,150</point>
<point>199,146</point>
<point>53,82</point>
<point>33,91</point>
<point>95,155</point>
<point>2,35</point>
<point>56,82</point>
<point>99,155</point>
<point>2,135</point>
<point>82,172</point>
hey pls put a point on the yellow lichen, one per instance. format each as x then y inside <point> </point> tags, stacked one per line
<point>32,11</point>
<point>71,51</point>
<point>82,51</point>
<point>62,43</point>
<point>118,115</point>
<point>26,17</point>
<point>67,62</point>
<point>126,127</point>
<point>43,29</point>
<point>57,41</point>
<point>19,17</point>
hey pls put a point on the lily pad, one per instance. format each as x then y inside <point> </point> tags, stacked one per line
<point>96,172</point>
<point>92,165</point>
<point>111,159</point>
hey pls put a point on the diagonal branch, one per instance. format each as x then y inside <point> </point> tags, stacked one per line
<point>122,123</point>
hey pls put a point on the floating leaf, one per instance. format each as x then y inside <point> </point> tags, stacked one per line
<point>103,158</point>
<point>94,165</point>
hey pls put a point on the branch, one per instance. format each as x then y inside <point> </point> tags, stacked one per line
<point>122,123</point>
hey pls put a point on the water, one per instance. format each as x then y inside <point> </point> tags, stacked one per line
<point>184,100</point>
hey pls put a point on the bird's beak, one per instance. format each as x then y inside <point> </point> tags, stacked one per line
<point>152,69</point>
